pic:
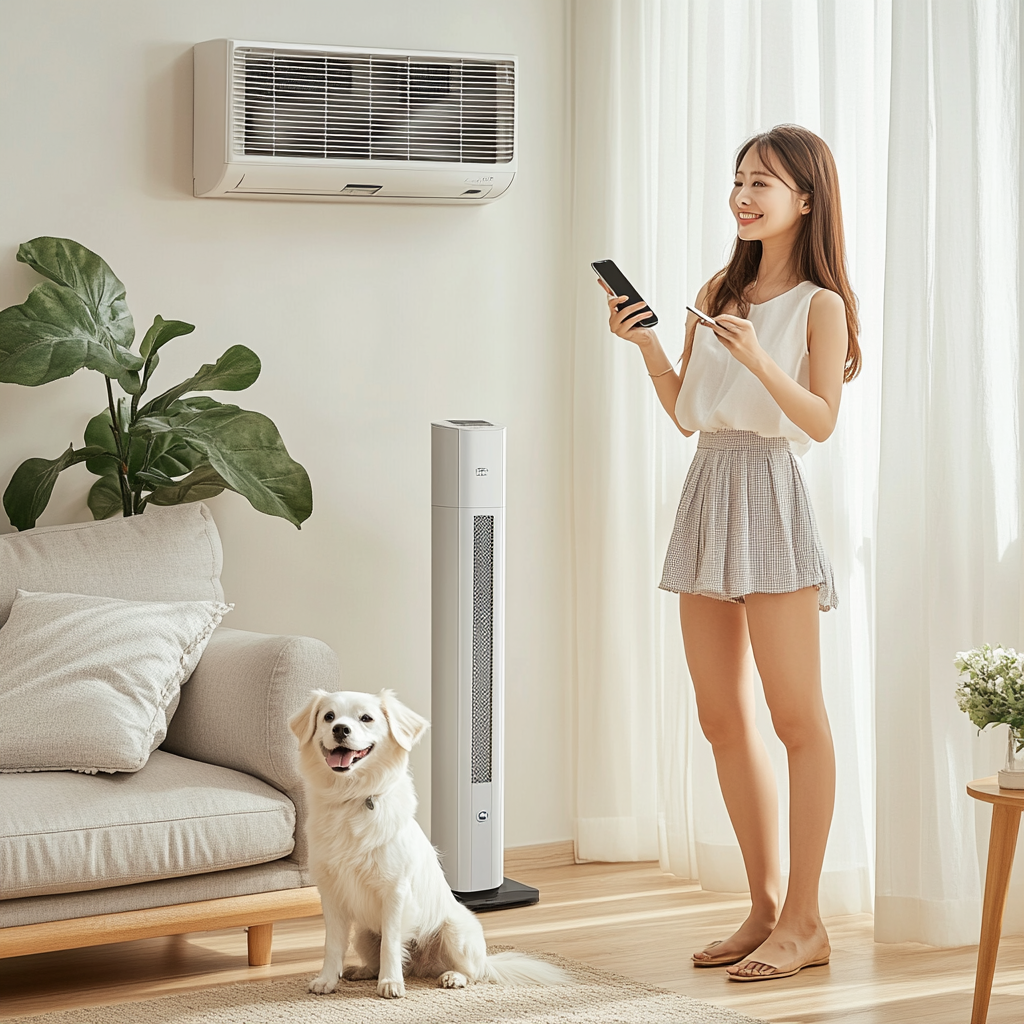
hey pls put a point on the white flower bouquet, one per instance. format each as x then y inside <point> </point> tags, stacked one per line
<point>991,690</point>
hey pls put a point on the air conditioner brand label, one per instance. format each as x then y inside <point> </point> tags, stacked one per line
<point>482,471</point>
<point>480,179</point>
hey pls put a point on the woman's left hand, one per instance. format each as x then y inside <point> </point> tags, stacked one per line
<point>740,340</point>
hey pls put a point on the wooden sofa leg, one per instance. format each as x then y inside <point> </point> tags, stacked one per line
<point>261,938</point>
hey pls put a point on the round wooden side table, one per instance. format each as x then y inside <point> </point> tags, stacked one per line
<point>1002,841</point>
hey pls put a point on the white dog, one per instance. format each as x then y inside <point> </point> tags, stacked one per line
<point>375,868</point>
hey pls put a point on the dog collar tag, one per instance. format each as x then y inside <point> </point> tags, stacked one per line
<point>369,803</point>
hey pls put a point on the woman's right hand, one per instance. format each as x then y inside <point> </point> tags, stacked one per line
<point>622,322</point>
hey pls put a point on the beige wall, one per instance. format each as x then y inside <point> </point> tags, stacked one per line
<point>370,320</point>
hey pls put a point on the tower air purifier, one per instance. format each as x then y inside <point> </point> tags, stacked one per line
<point>468,662</point>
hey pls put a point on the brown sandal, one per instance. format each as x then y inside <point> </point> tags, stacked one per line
<point>774,973</point>
<point>719,961</point>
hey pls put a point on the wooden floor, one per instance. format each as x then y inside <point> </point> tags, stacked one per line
<point>628,918</point>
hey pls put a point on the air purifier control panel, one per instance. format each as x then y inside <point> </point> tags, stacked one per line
<point>467,464</point>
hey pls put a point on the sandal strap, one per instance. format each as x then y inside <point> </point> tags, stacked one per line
<point>756,963</point>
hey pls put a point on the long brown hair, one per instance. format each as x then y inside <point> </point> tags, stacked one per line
<point>819,255</point>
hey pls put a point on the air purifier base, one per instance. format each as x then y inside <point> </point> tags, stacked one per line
<point>509,894</point>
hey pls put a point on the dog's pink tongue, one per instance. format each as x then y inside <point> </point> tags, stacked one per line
<point>342,758</point>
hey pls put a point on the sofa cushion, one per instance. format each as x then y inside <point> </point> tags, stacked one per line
<point>167,554</point>
<point>63,832</point>
<point>89,683</point>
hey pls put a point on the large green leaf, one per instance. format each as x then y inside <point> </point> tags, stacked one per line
<point>130,381</point>
<point>236,370</point>
<point>162,332</point>
<point>30,488</point>
<point>156,337</point>
<point>204,482</point>
<point>154,478</point>
<point>70,264</point>
<point>177,460</point>
<point>246,449</point>
<point>51,335</point>
<point>99,434</point>
<point>105,497</point>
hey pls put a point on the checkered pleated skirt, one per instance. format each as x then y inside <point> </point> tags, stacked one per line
<point>745,523</point>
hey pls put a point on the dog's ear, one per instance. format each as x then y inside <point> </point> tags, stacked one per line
<point>303,723</point>
<point>406,726</point>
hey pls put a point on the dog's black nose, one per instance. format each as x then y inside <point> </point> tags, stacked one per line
<point>341,730</point>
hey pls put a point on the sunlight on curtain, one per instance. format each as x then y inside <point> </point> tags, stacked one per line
<point>665,92</point>
<point>949,553</point>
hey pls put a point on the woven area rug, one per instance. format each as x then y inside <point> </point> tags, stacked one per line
<point>594,997</point>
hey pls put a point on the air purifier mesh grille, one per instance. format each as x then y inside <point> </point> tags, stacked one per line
<point>483,645</point>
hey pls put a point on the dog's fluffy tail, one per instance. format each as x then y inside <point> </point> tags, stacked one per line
<point>515,968</point>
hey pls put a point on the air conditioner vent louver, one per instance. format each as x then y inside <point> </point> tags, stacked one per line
<point>351,106</point>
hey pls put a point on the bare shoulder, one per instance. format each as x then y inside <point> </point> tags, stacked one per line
<point>826,319</point>
<point>827,333</point>
<point>827,306</point>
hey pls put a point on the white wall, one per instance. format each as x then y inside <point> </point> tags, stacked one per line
<point>371,321</point>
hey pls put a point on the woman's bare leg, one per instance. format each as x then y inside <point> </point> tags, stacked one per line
<point>783,631</point>
<point>718,656</point>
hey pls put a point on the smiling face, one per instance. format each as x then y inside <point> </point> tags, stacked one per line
<point>346,736</point>
<point>349,727</point>
<point>765,200</point>
<point>361,738</point>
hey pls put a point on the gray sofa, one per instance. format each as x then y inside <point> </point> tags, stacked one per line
<point>208,834</point>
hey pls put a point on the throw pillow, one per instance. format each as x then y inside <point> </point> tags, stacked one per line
<point>88,684</point>
<point>172,553</point>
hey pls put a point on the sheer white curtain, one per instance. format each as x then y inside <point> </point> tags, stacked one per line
<point>665,92</point>
<point>949,557</point>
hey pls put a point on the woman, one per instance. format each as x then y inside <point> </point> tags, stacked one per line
<point>745,557</point>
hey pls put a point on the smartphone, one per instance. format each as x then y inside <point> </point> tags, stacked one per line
<point>616,281</point>
<point>702,317</point>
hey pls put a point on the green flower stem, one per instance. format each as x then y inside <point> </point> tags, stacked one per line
<point>122,457</point>
<point>137,502</point>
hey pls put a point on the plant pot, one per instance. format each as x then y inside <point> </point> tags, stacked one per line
<point>1011,775</point>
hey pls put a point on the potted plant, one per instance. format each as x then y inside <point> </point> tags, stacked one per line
<point>178,447</point>
<point>991,692</point>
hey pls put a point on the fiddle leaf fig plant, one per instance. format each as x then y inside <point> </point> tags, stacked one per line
<point>178,447</point>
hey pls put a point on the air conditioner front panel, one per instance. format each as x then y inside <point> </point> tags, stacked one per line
<point>370,181</point>
<point>293,115</point>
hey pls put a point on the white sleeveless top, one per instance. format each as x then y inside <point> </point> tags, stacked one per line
<point>719,392</point>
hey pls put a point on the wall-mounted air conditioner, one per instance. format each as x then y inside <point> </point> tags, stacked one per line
<point>289,121</point>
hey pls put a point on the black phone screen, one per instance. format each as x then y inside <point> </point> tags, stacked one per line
<point>619,284</point>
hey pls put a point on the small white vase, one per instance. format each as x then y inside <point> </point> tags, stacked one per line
<point>1011,775</point>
